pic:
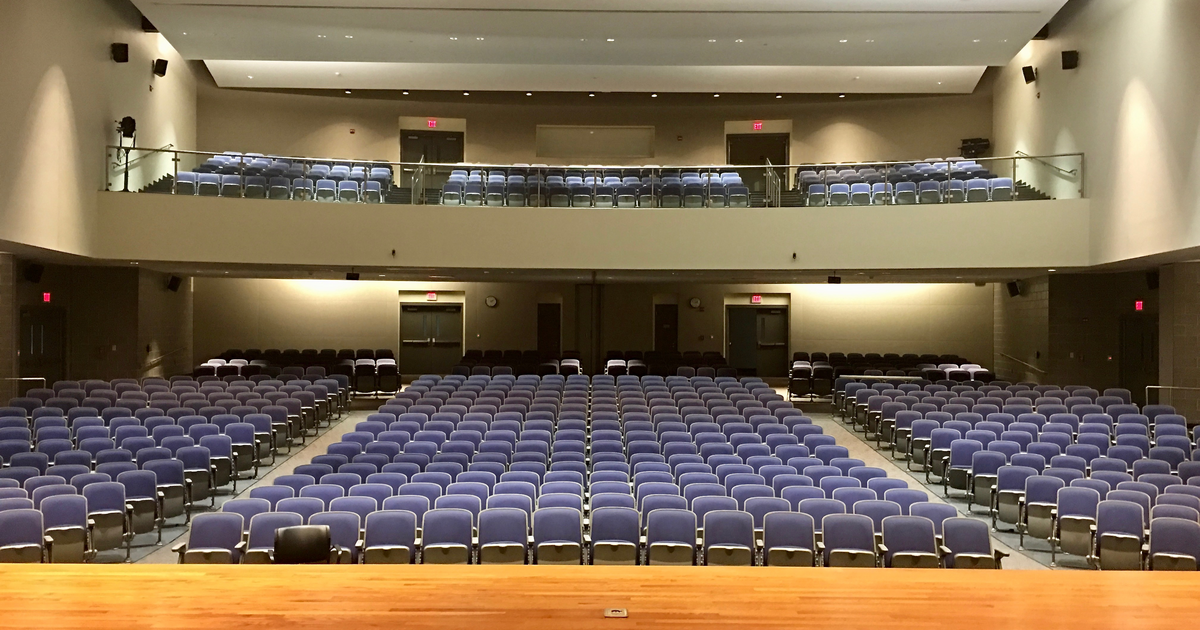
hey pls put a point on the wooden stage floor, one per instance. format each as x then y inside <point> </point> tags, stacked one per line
<point>493,598</point>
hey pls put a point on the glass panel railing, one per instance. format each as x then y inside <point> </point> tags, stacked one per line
<point>931,181</point>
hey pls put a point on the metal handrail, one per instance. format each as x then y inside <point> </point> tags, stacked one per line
<point>699,167</point>
<point>1072,172</point>
<point>774,187</point>
<point>1028,365</point>
<point>1167,387</point>
<point>117,165</point>
<point>42,379</point>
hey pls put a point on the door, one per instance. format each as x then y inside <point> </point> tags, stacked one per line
<point>43,340</point>
<point>757,340</point>
<point>549,330</point>
<point>755,149</point>
<point>666,327</point>
<point>432,147</point>
<point>431,338</point>
<point>1139,354</point>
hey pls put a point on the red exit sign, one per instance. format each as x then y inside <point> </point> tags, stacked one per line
<point>432,123</point>
<point>46,298</point>
<point>431,297</point>
<point>758,125</point>
<point>1137,306</point>
<point>756,299</point>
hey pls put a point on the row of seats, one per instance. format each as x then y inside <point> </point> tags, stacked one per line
<point>109,475</point>
<point>936,170</point>
<point>254,164</point>
<point>1088,472</point>
<point>909,193</point>
<point>556,454</point>
<point>280,188</point>
<point>553,195</point>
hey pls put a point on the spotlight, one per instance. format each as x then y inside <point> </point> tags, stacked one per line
<point>353,275</point>
<point>834,280</point>
<point>128,127</point>
<point>160,67</point>
<point>1030,74</point>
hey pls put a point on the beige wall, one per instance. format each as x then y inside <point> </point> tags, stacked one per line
<point>62,94</point>
<point>245,313</point>
<point>287,233</point>
<point>1132,106</point>
<point>164,325</point>
<point>872,129</point>
<point>1022,331</point>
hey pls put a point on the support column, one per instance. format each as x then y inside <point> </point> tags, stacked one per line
<point>9,323</point>
<point>1179,337</point>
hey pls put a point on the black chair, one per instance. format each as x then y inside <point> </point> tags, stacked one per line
<point>303,544</point>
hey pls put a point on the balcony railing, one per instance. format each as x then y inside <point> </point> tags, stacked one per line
<point>915,182</point>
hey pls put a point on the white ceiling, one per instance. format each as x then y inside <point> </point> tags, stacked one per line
<point>658,45</point>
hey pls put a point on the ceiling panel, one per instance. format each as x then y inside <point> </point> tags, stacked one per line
<point>517,37</point>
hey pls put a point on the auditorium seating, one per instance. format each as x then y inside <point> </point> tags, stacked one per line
<point>616,363</point>
<point>578,470</point>
<point>1058,464</point>
<point>953,180</point>
<point>104,461</point>
<point>255,176</point>
<point>814,374</point>
<point>596,187</point>
<point>364,371</point>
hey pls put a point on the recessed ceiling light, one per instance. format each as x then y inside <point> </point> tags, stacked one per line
<point>583,39</point>
<point>843,41</point>
<point>349,37</point>
<point>466,93</point>
<point>591,93</point>
<point>654,95</point>
<point>975,40</point>
<point>185,33</point>
<point>454,39</point>
<point>405,92</point>
<point>738,41</point>
<point>841,96</point>
<point>347,91</point>
<point>711,41</point>
<point>381,275</point>
<point>478,39</point>
<point>529,94</point>
<point>611,39</point>
<point>320,37</point>
<point>1051,270</point>
<point>870,41</point>
<point>716,96</point>
<point>778,96</point>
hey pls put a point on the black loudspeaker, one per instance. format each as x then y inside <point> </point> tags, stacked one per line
<point>1152,280</point>
<point>1014,288</point>
<point>120,53</point>
<point>160,67</point>
<point>1030,73</point>
<point>835,280</point>
<point>33,272</point>
<point>1070,59</point>
<point>353,275</point>
<point>173,283</point>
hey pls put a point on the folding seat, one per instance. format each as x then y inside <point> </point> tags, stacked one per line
<point>1174,544</point>
<point>1001,188</point>
<point>728,538</point>
<point>670,537</point>
<point>1075,521</point>
<point>969,545</point>
<point>21,537</point>
<point>106,504</point>
<point>848,541</point>
<point>909,542</point>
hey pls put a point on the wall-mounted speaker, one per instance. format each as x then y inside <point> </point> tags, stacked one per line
<point>120,53</point>
<point>1014,288</point>
<point>353,275</point>
<point>1030,73</point>
<point>33,272</point>
<point>173,283</point>
<point>160,67</point>
<point>1152,280</point>
<point>1070,59</point>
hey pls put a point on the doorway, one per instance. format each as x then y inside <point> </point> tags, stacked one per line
<point>431,338</point>
<point>1139,354</point>
<point>43,343</point>
<point>754,149</point>
<point>432,147</point>
<point>666,328</point>
<point>757,340</point>
<point>549,330</point>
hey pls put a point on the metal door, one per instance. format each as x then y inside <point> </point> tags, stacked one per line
<point>431,338</point>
